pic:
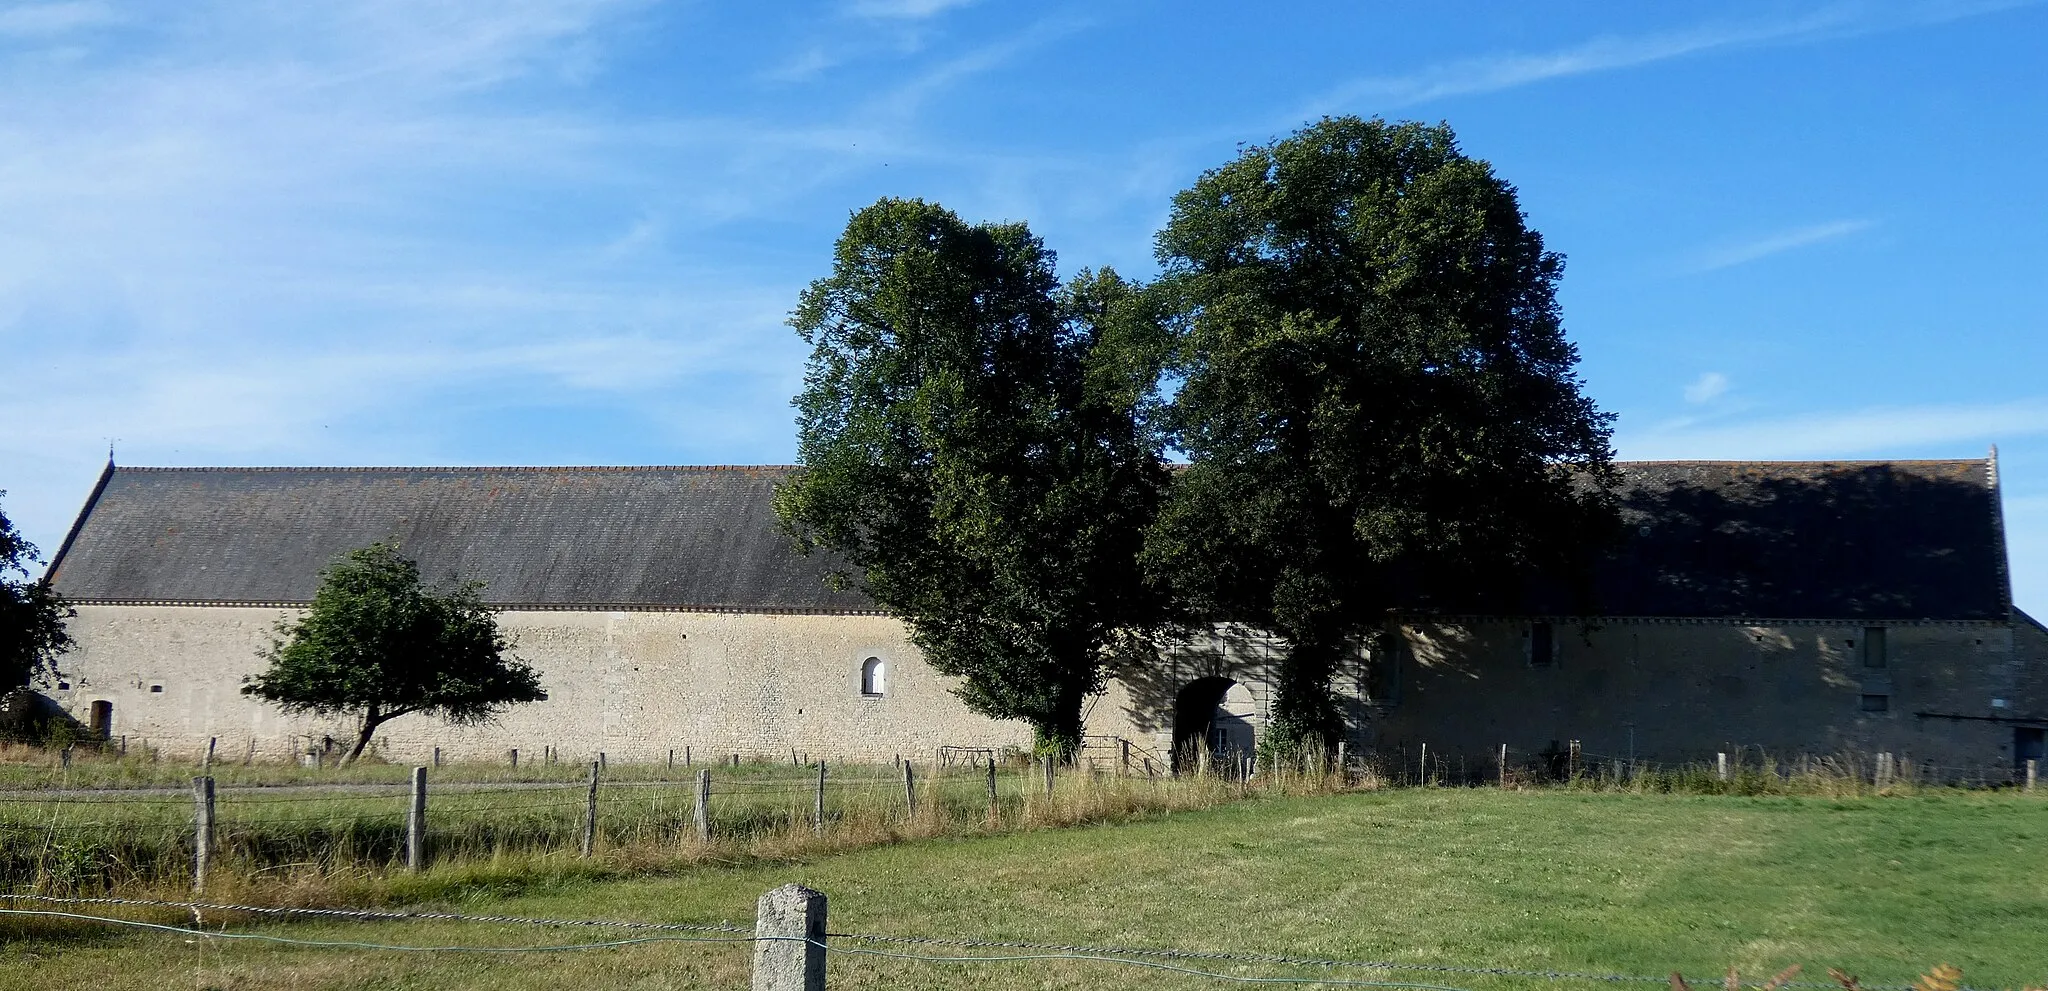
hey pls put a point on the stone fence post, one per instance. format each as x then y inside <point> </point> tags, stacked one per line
<point>202,830</point>
<point>789,940</point>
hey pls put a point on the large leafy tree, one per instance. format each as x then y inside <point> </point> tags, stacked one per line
<point>376,644</point>
<point>32,614</point>
<point>973,443</point>
<point>1378,400</point>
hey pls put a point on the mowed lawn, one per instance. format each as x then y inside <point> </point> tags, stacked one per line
<point>1622,884</point>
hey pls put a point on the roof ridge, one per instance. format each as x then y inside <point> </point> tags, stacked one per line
<point>759,467</point>
<point>476,468</point>
<point>1815,461</point>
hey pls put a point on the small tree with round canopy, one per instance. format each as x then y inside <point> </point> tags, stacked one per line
<point>376,644</point>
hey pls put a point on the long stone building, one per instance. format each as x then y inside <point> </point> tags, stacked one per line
<point>1804,608</point>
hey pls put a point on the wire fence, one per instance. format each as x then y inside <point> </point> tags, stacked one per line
<point>1739,769</point>
<point>774,928</point>
<point>88,840</point>
<point>71,840</point>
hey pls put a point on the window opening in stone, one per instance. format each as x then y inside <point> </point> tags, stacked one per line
<point>157,689</point>
<point>1873,647</point>
<point>1542,645</point>
<point>1877,703</point>
<point>2028,743</point>
<point>102,723</point>
<point>874,676</point>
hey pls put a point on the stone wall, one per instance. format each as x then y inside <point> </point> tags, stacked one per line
<point>629,684</point>
<point>636,684</point>
<point>1672,691</point>
<point>1680,690</point>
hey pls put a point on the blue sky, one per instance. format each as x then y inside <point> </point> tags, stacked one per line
<point>567,232</point>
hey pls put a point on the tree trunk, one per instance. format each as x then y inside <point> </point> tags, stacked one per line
<point>1058,735</point>
<point>1304,710</point>
<point>371,720</point>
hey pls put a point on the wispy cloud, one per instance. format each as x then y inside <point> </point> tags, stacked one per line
<point>804,65</point>
<point>1493,73</point>
<point>42,20</point>
<point>904,9</point>
<point>1707,388</point>
<point>908,97</point>
<point>268,236</point>
<point>1854,433</point>
<point>1780,242</point>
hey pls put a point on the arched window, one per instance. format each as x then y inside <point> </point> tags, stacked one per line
<point>873,676</point>
<point>102,718</point>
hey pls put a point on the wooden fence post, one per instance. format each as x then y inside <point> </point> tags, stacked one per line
<point>704,805</point>
<point>789,940</point>
<point>671,758</point>
<point>2033,772</point>
<point>1422,766</point>
<point>818,807</point>
<point>416,822</point>
<point>250,758</point>
<point>1048,775</point>
<point>437,756</point>
<point>909,793</point>
<point>1721,766</point>
<point>202,830</point>
<point>1572,766</point>
<point>515,756</point>
<point>993,808</point>
<point>590,813</point>
<point>1503,766</point>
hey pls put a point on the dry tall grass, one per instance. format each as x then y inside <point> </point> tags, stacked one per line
<point>297,846</point>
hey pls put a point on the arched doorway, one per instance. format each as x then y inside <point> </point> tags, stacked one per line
<point>1213,714</point>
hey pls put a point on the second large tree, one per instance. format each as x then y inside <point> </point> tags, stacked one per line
<point>972,443</point>
<point>1378,400</point>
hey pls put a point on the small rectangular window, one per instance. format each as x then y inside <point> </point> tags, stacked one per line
<point>1877,703</point>
<point>1873,647</point>
<point>1542,645</point>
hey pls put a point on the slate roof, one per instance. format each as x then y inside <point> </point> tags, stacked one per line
<point>1875,540</point>
<point>1899,540</point>
<point>699,537</point>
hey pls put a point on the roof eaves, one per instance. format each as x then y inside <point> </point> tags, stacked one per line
<point>71,536</point>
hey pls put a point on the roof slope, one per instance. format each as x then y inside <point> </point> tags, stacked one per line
<point>678,537</point>
<point>1896,540</point>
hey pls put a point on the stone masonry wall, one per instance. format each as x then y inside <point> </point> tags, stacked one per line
<point>629,684</point>
<point>1681,690</point>
<point>635,684</point>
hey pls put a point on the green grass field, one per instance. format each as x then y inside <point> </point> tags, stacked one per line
<point>1548,879</point>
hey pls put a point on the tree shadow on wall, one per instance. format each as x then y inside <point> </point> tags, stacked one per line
<point>1877,541</point>
<point>1230,653</point>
